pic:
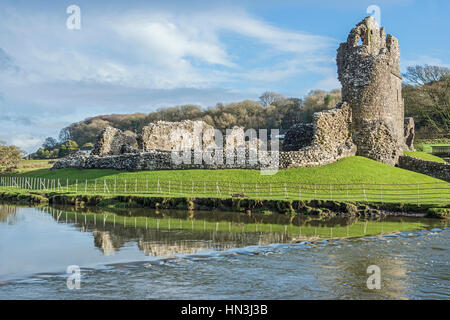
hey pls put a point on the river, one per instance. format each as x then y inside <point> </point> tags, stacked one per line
<point>205,260</point>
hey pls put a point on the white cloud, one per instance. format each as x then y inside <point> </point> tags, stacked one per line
<point>157,50</point>
<point>328,83</point>
<point>422,60</point>
<point>25,141</point>
<point>137,61</point>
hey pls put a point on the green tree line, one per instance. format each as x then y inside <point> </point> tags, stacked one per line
<point>272,111</point>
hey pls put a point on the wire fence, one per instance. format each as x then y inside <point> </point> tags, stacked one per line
<point>422,193</point>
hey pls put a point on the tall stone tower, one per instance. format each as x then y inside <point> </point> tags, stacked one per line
<point>369,71</point>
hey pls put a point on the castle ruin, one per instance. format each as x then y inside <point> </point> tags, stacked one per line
<point>372,85</point>
<point>369,121</point>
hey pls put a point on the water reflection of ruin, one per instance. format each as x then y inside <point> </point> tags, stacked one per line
<point>164,243</point>
<point>8,213</point>
<point>104,241</point>
<point>167,246</point>
<point>109,238</point>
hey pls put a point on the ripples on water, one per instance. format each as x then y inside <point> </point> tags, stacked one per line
<point>127,263</point>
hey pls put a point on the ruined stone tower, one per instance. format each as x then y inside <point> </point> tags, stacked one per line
<point>369,71</point>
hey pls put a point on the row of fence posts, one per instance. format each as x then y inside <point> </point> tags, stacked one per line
<point>55,185</point>
<point>56,214</point>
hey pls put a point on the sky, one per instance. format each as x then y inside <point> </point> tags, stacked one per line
<point>138,56</point>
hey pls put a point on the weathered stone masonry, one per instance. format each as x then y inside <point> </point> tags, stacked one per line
<point>439,170</point>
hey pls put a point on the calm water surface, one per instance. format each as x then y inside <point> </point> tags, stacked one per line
<point>37,245</point>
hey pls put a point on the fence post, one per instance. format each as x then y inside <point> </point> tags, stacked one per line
<point>285,191</point>
<point>67,184</point>
<point>364,191</point>
<point>418,195</point>
<point>76,186</point>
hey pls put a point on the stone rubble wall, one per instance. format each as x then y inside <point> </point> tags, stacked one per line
<point>331,142</point>
<point>298,136</point>
<point>164,135</point>
<point>439,170</point>
<point>162,160</point>
<point>112,141</point>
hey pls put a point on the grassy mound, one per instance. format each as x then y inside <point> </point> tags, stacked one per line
<point>346,171</point>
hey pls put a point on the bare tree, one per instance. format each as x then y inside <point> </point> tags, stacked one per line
<point>420,75</point>
<point>428,98</point>
<point>268,98</point>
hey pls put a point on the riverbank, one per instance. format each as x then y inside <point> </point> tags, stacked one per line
<point>293,207</point>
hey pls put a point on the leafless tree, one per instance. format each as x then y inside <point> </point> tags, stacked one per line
<point>268,98</point>
<point>420,75</point>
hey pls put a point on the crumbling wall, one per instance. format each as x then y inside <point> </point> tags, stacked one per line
<point>331,140</point>
<point>298,136</point>
<point>371,83</point>
<point>112,141</point>
<point>439,170</point>
<point>164,135</point>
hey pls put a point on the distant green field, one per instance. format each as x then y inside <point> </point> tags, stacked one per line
<point>30,165</point>
<point>424,156</point>
<point>427,146</point>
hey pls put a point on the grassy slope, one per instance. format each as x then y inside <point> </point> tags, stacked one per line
<point>424,156</point>
<point>348,170</point>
